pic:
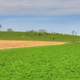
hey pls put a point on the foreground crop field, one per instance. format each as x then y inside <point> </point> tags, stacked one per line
<point>41,63</point>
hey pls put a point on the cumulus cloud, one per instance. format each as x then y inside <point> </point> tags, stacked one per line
<point>39,7</point>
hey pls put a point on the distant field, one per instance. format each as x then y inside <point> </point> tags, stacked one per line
<point>41,63</point>
<point>37,36</point>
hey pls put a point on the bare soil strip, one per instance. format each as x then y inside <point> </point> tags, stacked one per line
<point>7,44</point>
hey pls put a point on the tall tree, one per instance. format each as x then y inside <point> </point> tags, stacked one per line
<point>74,32</point>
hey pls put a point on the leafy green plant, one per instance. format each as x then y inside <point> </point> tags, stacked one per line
<point>41,63</point>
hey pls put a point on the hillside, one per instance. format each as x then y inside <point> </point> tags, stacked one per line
<point>37,36</point>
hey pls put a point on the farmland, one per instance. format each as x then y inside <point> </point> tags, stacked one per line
<point>59,62</point>
<point>41,63</point>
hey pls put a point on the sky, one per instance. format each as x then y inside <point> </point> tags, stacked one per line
<point>61,16</point>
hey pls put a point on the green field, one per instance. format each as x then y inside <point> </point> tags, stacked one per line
<point>37,36</point>
<point>41,63</point>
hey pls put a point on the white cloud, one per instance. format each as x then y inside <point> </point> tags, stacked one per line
<point>39,7</point>
<point>15,7</point>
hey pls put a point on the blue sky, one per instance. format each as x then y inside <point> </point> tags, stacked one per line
<point>61,16</point>
<point>64,24</point>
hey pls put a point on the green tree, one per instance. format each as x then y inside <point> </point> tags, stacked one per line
<point>10,30</point>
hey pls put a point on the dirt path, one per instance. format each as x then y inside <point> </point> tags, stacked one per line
<point>6,44</point>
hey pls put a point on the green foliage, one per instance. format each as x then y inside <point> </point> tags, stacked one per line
<point>41,63</point>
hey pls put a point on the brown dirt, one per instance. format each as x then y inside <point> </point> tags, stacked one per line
<point>7,44</point>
